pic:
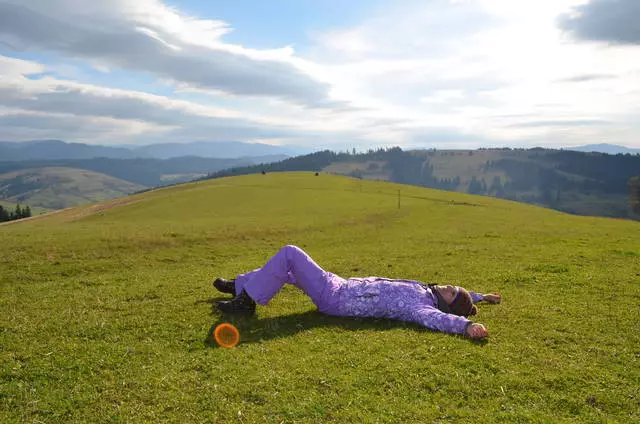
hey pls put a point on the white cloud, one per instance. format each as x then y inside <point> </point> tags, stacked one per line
<point>133,115</point>
<point>479,79</point>
<point>148,36</point>
<point>11,67</point>
<point>432,73</point>
<point>19,125</point>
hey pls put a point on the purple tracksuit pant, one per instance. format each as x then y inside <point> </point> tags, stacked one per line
<point>406,300</point>
<point>292,265</point>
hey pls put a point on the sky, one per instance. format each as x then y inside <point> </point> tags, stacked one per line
<point>322,73</point>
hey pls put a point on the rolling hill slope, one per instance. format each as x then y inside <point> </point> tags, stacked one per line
<point>575,182</point>
<point>59,187</point>
<point>108,309</point>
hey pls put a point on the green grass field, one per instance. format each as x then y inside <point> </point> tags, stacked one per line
<point>107,309</point>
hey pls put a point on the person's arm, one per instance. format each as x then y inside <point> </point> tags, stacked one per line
<point>476,331</point>
<point>435,319</point>
<point>476,297</point>
<point>489,298</point>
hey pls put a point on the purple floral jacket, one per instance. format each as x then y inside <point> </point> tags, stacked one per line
<point>405,300</point>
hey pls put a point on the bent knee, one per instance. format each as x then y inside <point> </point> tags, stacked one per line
<point>292,247</point>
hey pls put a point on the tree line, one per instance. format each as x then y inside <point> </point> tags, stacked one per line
<point>634,194</point>
<point>18,213</point>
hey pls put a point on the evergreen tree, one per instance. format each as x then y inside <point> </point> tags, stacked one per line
<point>18,213</point>
<point>496,187</point>
<point>634,194</point>
<point>475,186</point>
<point>26,212</point>
<point>4,214</point>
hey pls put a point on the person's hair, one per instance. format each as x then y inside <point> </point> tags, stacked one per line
<point>462,304</point>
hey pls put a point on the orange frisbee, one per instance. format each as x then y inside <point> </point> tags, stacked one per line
<point>226,335</point>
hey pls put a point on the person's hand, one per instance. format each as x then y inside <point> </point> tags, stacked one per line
<point>492,298</point>
<point>477,331</point>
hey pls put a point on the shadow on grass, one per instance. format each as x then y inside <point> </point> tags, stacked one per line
<point>254,330</point>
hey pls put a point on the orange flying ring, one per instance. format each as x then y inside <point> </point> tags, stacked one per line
<point>226,335</point>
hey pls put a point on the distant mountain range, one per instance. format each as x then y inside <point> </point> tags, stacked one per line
<point>56,149</point>
<point>611,149</point>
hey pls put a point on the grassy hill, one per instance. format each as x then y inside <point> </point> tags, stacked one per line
<point>107,309</point>
<point>576,182</point>
<point>59,187</point>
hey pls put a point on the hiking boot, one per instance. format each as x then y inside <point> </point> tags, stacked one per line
<point>225,286</point>
<point>241,304</point>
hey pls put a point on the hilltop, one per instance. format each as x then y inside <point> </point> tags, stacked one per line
<point>108,309</point>
<point>574,182</point>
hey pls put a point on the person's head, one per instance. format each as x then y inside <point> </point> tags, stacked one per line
<point>455,300</point>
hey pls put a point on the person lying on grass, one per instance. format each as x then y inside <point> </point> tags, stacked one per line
<point>442,308</point>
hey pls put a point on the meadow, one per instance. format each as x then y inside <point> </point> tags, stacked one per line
<point>108,309</point>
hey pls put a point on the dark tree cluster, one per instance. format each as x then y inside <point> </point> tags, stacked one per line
<point>446,183</point>
<point>495,189</point>
<point>476,186</point>
<point>18,213</point>
<point>599,172</point>
<point>407,168</point>
<point>609,172</point>
<point>634,194</point>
